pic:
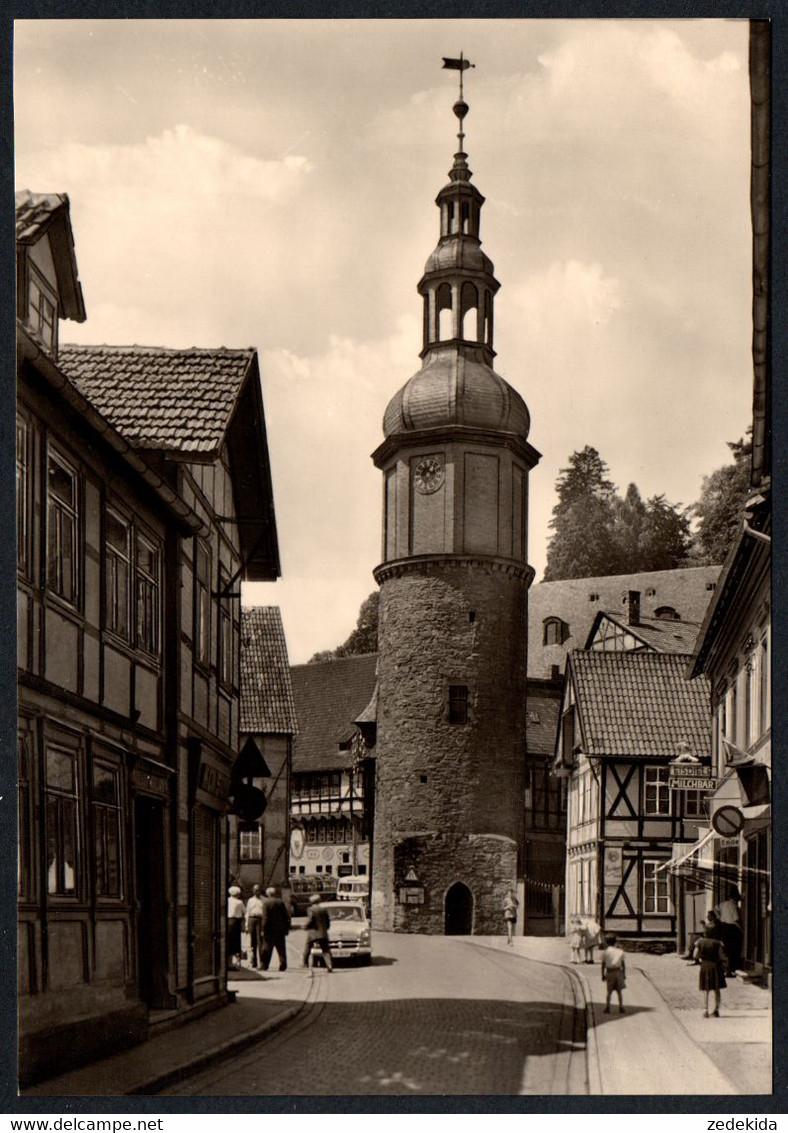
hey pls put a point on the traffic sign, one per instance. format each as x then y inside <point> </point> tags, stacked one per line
<point>727,821</point>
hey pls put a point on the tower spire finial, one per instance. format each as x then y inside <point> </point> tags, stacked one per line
<point>460,107</point>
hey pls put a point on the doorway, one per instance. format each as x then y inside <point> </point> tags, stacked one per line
<point>459,910</point>
<point>151,907</point>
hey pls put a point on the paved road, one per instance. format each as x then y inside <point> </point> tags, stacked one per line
<point>432,1015</point>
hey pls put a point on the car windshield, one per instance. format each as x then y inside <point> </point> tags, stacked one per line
<point>345,912</point>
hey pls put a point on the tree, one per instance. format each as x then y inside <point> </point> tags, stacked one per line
<point>719,510</point>
<point>665,538</point>
<point>598,533</point>
<point>582,523</point>
<point>363,639</point>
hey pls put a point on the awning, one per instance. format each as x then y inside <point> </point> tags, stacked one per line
<point>673,864</point>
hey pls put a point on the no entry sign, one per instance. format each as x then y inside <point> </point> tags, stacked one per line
<point>727,821</point>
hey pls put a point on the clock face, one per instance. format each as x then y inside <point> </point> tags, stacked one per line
<point>428,474</point>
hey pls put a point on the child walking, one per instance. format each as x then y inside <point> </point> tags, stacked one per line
<point>614,972</point>
<point>576,939</point>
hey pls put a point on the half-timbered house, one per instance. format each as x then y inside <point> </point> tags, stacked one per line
<point>625,716</point>
<point>258,847</point>
<point>143,497</point>
<point>332,798</point>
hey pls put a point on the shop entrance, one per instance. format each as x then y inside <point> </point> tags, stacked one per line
<point>151,901</point>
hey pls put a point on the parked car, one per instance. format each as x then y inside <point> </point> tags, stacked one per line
<point>353,887</point>
<point>350,933</point>
<point>303,885</point>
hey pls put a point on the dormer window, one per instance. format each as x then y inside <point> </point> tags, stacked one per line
<point>667,612</point>
<point>42,312</point>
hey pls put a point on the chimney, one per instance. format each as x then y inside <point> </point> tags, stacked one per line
<point>631,601</point>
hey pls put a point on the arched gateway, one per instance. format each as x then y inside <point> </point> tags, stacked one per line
<point>459,910</point>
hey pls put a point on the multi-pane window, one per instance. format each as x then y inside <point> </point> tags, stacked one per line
<point>250,844</point>
<point>23,495</point>
<point>458,704</point>
<point>147,567</point>
<point>656,891</point>
<point>62,528</point>
<point>117,560</point>
<point>61,821</point>
<point>656,793</point>
<point>106,827</point>
<point>696,804</point>
<point>42,315</point>
<point>132,564</point>
<point>24,820</point>
<point>202,604</point>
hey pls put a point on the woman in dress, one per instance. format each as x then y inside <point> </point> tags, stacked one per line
<point>711,954</point>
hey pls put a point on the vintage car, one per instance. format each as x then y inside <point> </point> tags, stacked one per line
<point>350,933</point>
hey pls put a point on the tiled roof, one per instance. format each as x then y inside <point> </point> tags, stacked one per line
<point>329,697</point>
<point>34,211</point>
<point>666,635</point>
<point>639,704</point>
<point>688,590</point>
<point>267,704</point>
<point>543,705</point>
<point>174,400</point>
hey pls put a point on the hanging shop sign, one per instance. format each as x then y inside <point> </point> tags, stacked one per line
<point>693,781</point>
<point>296,842</point>
<point>727,821</point>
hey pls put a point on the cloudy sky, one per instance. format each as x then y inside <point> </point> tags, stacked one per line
<point>270,183</point>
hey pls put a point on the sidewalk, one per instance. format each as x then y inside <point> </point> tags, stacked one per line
<point>662,1044</point>
<point>267,1001</point>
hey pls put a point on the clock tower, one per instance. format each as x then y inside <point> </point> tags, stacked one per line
<point>449,794</point>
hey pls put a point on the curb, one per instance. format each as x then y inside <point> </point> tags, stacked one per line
<point>577,980</point>
<point>222,1050</point>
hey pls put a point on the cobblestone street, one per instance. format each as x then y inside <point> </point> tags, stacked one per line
<point>431,1016</point>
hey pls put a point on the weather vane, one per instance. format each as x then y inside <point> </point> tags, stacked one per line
<point>460,107</point>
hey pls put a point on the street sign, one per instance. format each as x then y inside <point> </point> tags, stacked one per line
<point>693,782</point>
<point>727,821</point>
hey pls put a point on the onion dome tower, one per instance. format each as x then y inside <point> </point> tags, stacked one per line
<point>449,795</point>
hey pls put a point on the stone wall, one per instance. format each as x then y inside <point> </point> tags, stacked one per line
<point>485,863</point>
<point>449,622</point>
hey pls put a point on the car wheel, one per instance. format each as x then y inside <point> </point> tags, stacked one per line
<point>365,960</point>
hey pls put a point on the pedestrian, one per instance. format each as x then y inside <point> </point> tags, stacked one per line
<point>275,927</point>
<point>710,952</point>
<point>510,907</point>
<point>317,926</point>
<point>731,933</point>
<point>235,922</point>
<point>576,939</point>
<point>590,930</point>
<point>614,972</point>
<point>254,925</point>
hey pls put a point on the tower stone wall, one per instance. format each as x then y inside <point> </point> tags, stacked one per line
<point>454,790</point>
